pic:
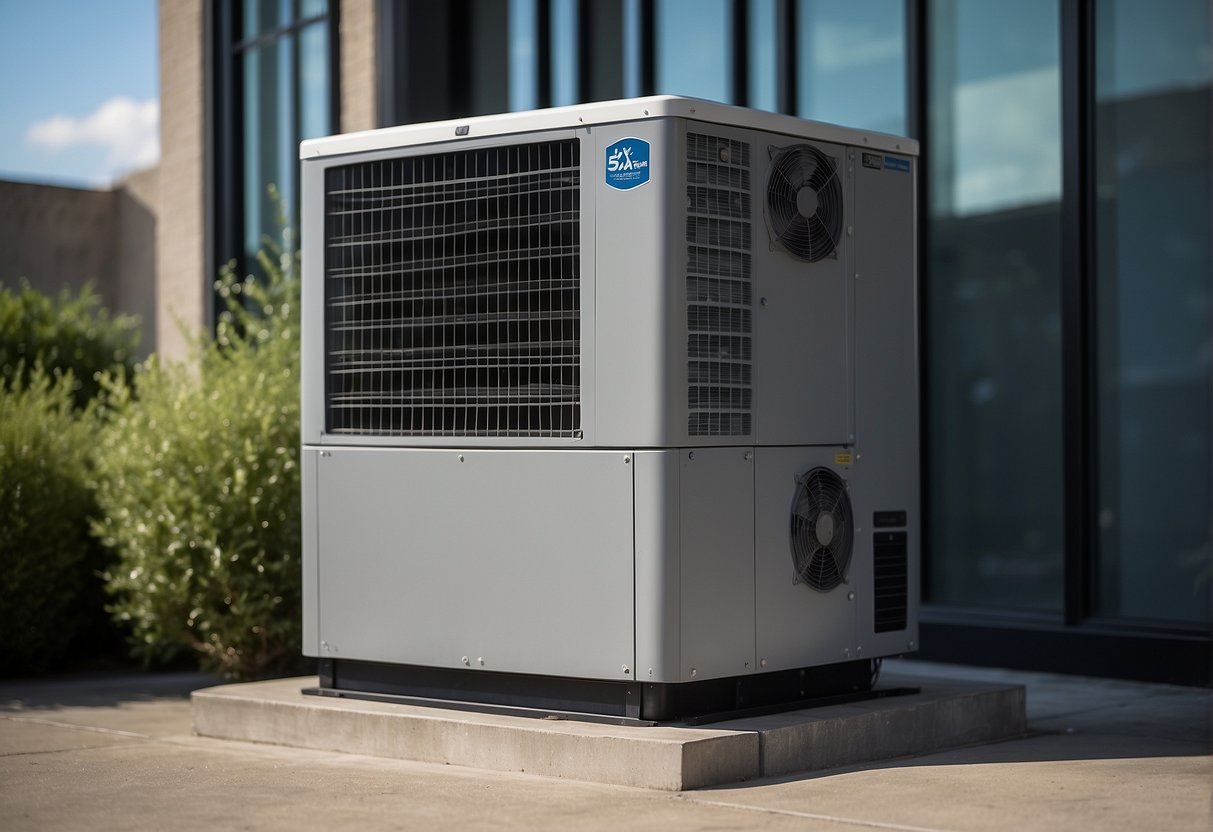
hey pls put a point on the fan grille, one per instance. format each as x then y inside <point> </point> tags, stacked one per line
<point>804,202</point>
<point>822,530</point>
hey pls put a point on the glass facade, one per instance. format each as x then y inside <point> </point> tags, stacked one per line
<point>993,302</point>
<point>693,49</point>
<point>1153,173</point>
<point>278,80</point>
<point>1046,126</point>
<point>851,63</point>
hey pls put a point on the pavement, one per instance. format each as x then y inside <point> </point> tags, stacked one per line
<point>118,752</point>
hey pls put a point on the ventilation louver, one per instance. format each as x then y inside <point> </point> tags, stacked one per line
<point>822,530</point>
<point>804,202</point>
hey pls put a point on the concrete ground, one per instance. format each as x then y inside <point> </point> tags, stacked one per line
<point>118,753</point>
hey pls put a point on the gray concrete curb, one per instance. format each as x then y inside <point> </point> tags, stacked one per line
<point>945,714</point>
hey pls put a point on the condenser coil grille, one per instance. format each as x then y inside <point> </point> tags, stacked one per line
<point>719,350</point>
<point>452,293</point>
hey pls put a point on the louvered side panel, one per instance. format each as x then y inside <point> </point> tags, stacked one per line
<point>718,284</point>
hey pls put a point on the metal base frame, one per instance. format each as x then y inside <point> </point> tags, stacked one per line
<point>594,700</point>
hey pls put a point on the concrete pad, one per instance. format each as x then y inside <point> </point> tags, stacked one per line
<point>663,757</point>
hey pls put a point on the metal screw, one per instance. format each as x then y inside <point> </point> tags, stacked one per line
<point>749,455</point>
<point>747,665</point>
<point>691,455</point>
<point>461,457</point>
<point>850,230</point>
<point>480,660</point>
<point>913,645</point>
<point>850,596</point>
<point>762,301</point>
<point>693,672</point>
<point>858,650</point>
<point>465,660</point>
<point>626,459</point>
<point>846,651</point>
<point>763,662</point>
<point>626,670</point>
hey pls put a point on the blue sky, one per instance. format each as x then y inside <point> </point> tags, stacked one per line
<point>79,90</point>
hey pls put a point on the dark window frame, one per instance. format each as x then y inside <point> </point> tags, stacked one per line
<point>228,168</point>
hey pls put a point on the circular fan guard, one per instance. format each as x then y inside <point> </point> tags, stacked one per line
<point>822,529</point>
<point>804,202</point>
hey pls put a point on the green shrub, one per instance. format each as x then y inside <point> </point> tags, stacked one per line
<point>70,332</point>
<point>47,559</point>
<point>198,483</point>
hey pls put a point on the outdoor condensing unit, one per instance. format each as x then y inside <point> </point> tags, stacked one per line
<point>609,409</point>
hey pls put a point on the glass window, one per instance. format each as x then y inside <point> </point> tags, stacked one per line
<point>487,57</point>
<point>1153,172</point>
<point>693,48</point>
<point>761,50</point>
<point>851,60</point>
<point>524,80</point>
<point>604,63</point>
<point>281,87</point>
<point>270,155</point>
<point>565,79</point>
<point>315,81</point>
<point>995,523</point>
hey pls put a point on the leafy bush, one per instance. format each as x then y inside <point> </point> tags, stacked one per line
<point>198,482</point>
<point>71,332</point>
<point>46,556</point>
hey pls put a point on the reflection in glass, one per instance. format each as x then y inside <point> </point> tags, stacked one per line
<point>762,84</point>
<point>564,52</point>
<point>851,63</point>
<point>314,81</point>
<point>524,80</point>
<point>286,84</point>
<point>270,142</point>
<point>1154,168</point>
<point>993,351</point>
<point>693,46</point>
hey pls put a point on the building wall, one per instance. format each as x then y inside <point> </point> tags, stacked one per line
<point>184,272</point>
<point>357,68</point>
<point>57,237</point>
<point>135,247</point>
<point>62,238</point>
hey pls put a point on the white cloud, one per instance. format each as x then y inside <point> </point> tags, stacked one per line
<point>128,130</point>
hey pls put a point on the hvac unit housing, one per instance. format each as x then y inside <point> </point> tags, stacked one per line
<point>609,409</point>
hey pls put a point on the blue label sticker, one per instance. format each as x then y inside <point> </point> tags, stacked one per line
<point>627,164</point>
<point>893,163</point>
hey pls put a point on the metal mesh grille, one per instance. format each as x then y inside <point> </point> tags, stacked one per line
<point>719,368</point>
<point>452,294</point>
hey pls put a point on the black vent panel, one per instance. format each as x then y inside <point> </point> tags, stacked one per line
<point>891,580</point>
<point>718,283</point>
<point>452,294</point>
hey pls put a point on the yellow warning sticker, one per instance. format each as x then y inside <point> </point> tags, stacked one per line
<point>843,458</point>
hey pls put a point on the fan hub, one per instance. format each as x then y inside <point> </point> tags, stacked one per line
<point>806,201</point>
<point>824,529</point>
